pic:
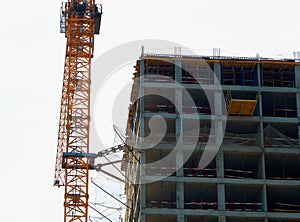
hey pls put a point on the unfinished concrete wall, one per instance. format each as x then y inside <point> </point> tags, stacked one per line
<point>255,174</point>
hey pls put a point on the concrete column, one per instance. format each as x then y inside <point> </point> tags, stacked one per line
<point>220,161</point>
<point>298,104</point>
<point>297,83</point>
<point>264,198</point>
<point>143,186</point>
<point>142,134</point>
<point>141,86</point>
<point>261,135</point>
<point>222,219</point>
<point>297,76</point>
<point>298,113</point>
<point>217,125</point>
<point>179,142</point>
<point>220,164</point>
<point>143,217</point>
<point>220,187</point>
<point>179,132</point>
<point>262,166</point>
<point>217,71</point>
<point>261,126</point>
<point>142,171</point>
<point>259,104</point>
<point>180,218</point>
<point>178,71</point>
<point>221,197</point>
<point>180,195</point>
<point>258,75</point>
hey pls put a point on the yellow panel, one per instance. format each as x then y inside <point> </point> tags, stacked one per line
<point>241,107</point>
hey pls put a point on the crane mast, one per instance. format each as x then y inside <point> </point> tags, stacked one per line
<point>80,21</point>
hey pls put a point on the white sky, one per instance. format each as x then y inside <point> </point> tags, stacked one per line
<point>32,57</point>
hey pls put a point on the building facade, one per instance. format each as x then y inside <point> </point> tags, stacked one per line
<point>213,139</point>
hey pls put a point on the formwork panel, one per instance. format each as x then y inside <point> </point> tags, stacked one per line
<point>241,103</point>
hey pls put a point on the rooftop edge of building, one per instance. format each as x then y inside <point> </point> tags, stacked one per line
<point>219,58</point>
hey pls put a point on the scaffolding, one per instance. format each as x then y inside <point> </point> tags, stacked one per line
<point>275,75</point>
<point>238,73</point>
<point>159,71</point>
<point>197,72</point>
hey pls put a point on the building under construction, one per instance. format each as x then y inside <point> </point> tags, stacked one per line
<point>253,176</point>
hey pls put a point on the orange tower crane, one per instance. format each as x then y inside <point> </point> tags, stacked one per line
<point>80,21</point>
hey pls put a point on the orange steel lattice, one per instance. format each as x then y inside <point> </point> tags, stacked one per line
<point>72,171</point>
